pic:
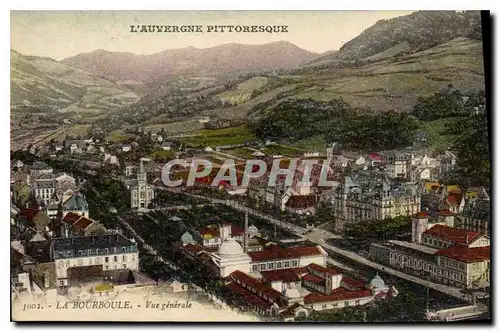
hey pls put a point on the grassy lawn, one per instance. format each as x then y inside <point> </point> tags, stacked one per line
<point>283,150</point>
<point>312,144</point>
<point>217,137</point>
<point>241,152</point>
<point>436,132</point>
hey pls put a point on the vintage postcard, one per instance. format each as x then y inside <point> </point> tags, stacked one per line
<point>250,166</point>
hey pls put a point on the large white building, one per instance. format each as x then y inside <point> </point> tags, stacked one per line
<point>106,252</point>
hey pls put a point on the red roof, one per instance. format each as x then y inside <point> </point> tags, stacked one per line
<point>468,255</point>
<point>338,294</point>
<point>287,275</point>
<point>421,215</point>
<point>193,248</point>
<point>83,223</point>
<point>451,234</point>
<point>375,156</point>
<point>353,282</point>
<point>313,278</point>
<point>300,270</point>
<point>71,218</point>
<point>270,253</point>
<point>302,202</point>
<point>28,214</point>
<point>249,297</point>
<point>262,289</point>
<point>322,269</point>
<point>305,251</point>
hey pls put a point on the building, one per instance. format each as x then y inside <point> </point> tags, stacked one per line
<point>366,196</point>
<point>444,254</point>
<point>39,168</point>
<point>77,204</point>
<point>76,224</point>
<point>475,215</point>
<point>101,252</point>
<point>141,194</point>
<point>43,187</point>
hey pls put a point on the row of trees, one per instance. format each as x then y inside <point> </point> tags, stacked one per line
<point>385,229</point>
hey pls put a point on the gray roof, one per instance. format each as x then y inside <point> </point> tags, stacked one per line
<point>91,242</point>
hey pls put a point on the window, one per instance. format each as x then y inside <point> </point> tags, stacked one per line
<point>97,251</point>
<point>115,258</point>
<point>106,251</point>
<point>124,266</point>
<point>278,265</point>
<point>124,249</point>
<point>254,268</point>
<point>295,264</point>
<point>270,266</point>
<point>106,259</point>
<point>262,267</point>
<point>80,253</point>
<point>124,258</point>
<point>287,264</point>
<point>323,306</point>
<point>89,252</point>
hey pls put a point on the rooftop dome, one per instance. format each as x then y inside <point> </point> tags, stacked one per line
<point>230,248</point>
<point>377,282</point>
<point>292,293</point>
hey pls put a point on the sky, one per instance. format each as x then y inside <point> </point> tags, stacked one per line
<point>61,34</point>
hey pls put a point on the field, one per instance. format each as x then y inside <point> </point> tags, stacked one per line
<point>244,91</point>
<point>312,144</point>
<point>175,127</point>
<point>117,136</point>
<point>218,137</point>
<point>283,150</point>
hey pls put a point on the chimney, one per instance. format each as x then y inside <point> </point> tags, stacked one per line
<point>246,232</point>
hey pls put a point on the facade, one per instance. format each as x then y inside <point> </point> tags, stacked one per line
<point>141,194</point>
<point>43,187</point>
<point>444,254</point>
<point>107,252</point>
<point>364,197</point>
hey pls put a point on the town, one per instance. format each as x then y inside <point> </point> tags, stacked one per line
<point>90,214</point>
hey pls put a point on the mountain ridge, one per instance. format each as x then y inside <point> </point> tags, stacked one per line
<point>126,66</point>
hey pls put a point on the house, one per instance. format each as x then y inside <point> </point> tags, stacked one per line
<point>126,147</point>
<point>74,224</point>
<point>77,204</point>
<point>43,187</point>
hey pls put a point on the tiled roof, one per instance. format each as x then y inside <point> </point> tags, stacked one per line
<point>83,223</point>
<point>322,269</point>
<point>249,297</point>
<point>91,242</point>
<point>313,278</point>
<point>270,253</point>
<point>71,218</point>
<point>353,283</point>
<point>338,294</point>
<point>28,214</point>
<point>271,293</point>
<point>286,275</point>
<point>451,234</point>
<point>468,255</point>
<point>305,251</point>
